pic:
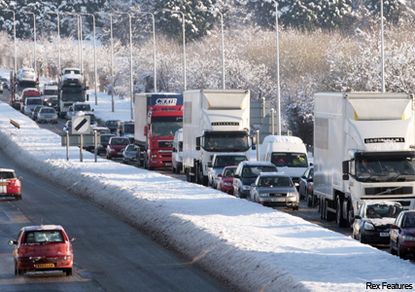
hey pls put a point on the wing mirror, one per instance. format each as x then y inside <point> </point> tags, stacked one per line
<point>357,217</point>
<point>209,164</point>
<point>12,242</point>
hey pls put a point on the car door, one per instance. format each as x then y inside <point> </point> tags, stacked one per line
<point>394,233</point>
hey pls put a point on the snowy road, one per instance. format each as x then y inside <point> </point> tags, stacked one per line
<point>109,254</point>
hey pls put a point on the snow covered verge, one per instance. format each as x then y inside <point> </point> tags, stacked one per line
<point>253,247</point>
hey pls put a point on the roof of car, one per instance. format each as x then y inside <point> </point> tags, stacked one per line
<point>257,163</point>
<point>273,173</point>
<point>6,169</point>
<point>42,227</point>
<point>229,154</point>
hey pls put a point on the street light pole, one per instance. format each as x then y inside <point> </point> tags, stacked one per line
<point>59,38</point>
<point>382,43</point>
<point>223,49</point>
<point>34,39</point>
<point>81,39</point>
<point>131,66</point>
<point>112,65</point>
<point>278,68</point>
<point>95,58</point>
<point>184,45</point>
<point>14,38</point>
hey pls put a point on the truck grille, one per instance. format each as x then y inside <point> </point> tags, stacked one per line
<point>165,144</point>
<point>389,191</point>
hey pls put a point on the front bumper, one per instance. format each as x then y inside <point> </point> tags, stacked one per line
<point>376,236</point>
<point>279,201</point>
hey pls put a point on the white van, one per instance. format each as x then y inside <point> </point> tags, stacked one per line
<point>30,103</point>
<point>287,153</point>
<point>177,154</point>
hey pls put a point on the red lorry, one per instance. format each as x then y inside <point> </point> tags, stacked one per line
<point>157,117</point>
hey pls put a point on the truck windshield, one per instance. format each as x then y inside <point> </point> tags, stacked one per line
<point>82,107</point>
<point>165,126</point>
<point>228,160</point>
<point>280,159</point>
<point>128,129</point>
<point>226,142</point>
<point>384,169</point>
<point>73,96</point>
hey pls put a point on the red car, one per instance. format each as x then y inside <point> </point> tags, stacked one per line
<point>225,183</point>
<point>116,146</point>
<point>10,185</point>
<point>402,234</point>
<point>42,248</point>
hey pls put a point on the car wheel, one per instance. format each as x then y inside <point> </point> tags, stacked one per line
<point>68,272</point>
<point>362,238</point>
<point>295,208</point>
<point>391,249</point>
<point>399,252</point>
<point>18,197</point>
<point>309,200</point>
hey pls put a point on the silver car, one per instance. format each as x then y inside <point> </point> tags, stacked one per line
<point>272,188</point>
<point>48,115</point>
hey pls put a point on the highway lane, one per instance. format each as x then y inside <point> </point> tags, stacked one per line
<point>110,255</point>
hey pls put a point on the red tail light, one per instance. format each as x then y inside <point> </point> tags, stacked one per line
<point>13,185</point>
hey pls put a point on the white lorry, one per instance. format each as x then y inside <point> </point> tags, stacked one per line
<point>363,150</point>
<point>215,121</point>
<point>287,153</point>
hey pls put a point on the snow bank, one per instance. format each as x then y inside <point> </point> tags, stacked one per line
<point>253,247</point>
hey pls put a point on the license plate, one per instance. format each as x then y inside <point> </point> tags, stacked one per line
<point>44,266</point>
<point>384,234</point>
<point>3,183</point>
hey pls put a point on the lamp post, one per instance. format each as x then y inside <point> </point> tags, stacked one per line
<point>184,45</point>
<point>14,37</point>
<point>34,38</point>
<point>131,58</point>
<point>278,68</point>
<point>153,24</point>
<point>59,37</point>
<point>95,58</point>
<point>382,44</point>
<point>112,65</point>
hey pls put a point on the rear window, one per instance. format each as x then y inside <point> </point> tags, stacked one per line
<point>7,174</point>
<point>48,111</point>
<point>119,141</point>
<point>255,170</point>
<point>34,101</point>
<point>229,172</point>
<point>44,236</point>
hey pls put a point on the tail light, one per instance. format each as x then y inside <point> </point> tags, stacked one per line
<point>13,185</point>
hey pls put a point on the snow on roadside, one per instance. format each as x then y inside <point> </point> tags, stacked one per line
<point>253,247</point>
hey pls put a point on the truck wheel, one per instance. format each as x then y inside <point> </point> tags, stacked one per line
<point>205,180</point>
<point>339,213</point>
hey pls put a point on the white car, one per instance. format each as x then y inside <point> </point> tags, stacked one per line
<point>48,115</point>
<point>78,107</point>
<point>26,74</point>
<point>71,77</point>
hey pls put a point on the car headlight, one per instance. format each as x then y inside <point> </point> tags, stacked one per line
<point>246,188</point>
<point>368,226</point>
<point>292,194</point>
<point>408,237</point>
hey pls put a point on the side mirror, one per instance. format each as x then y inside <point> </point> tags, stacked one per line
<point>357,217</point>
<point>253,185</point>
<point>394,226</point>
<point>174,150</point>
<point>209,164</point>
<point>236,176</point>
<point>197,143</point>
<point>20,177</point>
<point>12,242</point>
<point>220,175</point>
<point>345,168</point>
<point>72,239</point>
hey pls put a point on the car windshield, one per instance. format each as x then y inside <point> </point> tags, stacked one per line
<point>384,169</point>
<point>50,92</point>
<point>222,161</point>
<point>289,159</point>
<point>34,101</point>
<point>48,111</point>
<point>252,171</point>
<point>229,172</point>
<point>119,141</point>
<point>7,174</point>
<point>409,220</point>
<point>131,148</point>
<point>275,181</point>
<point>72,71</point>
<point>37,108</point>
<point>82,107</point>
<point>44,236</point>
<point>382,210</point>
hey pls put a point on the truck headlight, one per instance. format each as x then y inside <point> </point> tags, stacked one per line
<point>368,226</point>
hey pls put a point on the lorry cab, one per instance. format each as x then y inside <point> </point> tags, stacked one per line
<point>177,151</point>
<point>287,153</point>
